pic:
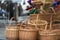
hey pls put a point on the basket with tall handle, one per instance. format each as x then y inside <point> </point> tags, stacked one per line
<point>12,32</point>
<point>49,34</point>
<point>43,16</point>
<point>27,33</point>
<point>40,20</point>
<point>39,24</point>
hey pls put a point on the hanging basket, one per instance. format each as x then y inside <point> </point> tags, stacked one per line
<point>12,32</point>
<point>27,33</point>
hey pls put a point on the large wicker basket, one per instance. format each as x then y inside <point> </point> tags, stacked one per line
<point>12,32</point>
<point>26,33</point>
<point>49,34</point>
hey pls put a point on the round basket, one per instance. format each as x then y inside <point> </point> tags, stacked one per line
<point>39,24</point>
<point>49,34</point>
<point>12,32</point>
<point>27,33</point>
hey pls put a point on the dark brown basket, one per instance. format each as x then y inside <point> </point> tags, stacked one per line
<point>46,17</point>
<point>56,26</point>
<point>57,11</point>
<point>56,17</point>
<point>33,16</point>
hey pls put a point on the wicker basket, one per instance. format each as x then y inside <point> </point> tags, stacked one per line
<point>39,24</point>
<point>56,17</point>
<point>56,26</point>
<point>12,32</point>
<point>57,11</point>
<point>49,34</point>
<point>46,17</point>
<point>33,16</point>
<point>27,33</point>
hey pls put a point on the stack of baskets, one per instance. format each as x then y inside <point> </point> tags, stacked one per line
<point>51,31</point>
<point>38,28</point>
<point>30,31</point>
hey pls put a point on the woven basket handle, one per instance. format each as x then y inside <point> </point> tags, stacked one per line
<point>29,22</point>
<point>50,26</point>
<point>22,23</point>
<point>46,26</point>
<point>53,10</point>
<point>41,24</point>
<point>11,20</point>
<point>44,21</point>
<point>43,11</point>
<point>51,22</point>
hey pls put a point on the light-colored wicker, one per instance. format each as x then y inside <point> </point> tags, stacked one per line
<point>46,17</point>
<point>27,33</point>
<point>12,32</point>
<point>49,34</point>
<point>39,24</point>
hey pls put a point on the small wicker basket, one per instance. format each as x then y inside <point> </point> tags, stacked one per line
<point>12,32</point>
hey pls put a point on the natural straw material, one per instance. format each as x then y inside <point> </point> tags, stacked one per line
<point>27,33</point>
<point>39,24</point>
<point>11,32</point>
<point>49,34</point>
<point>45,17</point>
<point>56,17</point>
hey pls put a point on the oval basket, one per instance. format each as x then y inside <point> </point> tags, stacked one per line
<point>27,33</point>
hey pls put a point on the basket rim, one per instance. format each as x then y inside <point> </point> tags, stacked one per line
<point>27,29</point>
<point>49,32</point>
<point>11,29</point>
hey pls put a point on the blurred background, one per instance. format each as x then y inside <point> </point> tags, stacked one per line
<point>20,9</point>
